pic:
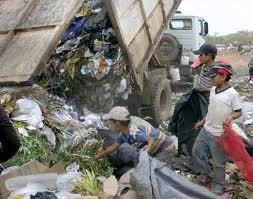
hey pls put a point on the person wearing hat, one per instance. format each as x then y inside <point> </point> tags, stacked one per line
<point>193,105</point>
<point>207,54</point>
<point>224,107</point>
<point>157,143</point>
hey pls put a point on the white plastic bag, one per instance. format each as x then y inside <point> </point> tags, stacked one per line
<point>239,131</point>
<point>9,170</point>
<point>65,182</point>
<point>49,180</point>
<point>122,86</point>
<point>30,189</point>
<point>67,195</point>
<point>49,134</point>
<point>94,120</point>
<point>29,112</point>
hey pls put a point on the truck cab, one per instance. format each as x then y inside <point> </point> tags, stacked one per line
<point>190,31</point>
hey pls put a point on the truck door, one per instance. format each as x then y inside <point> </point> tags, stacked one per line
<point>201,33</point>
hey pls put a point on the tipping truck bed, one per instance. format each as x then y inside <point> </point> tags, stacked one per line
<point>139,25</point>
<point>30,30</point>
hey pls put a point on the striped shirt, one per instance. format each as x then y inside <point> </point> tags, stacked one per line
<point>204,80</point>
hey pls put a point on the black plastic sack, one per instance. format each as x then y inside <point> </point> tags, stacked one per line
<point>44,195</point>
<point>189,109</point>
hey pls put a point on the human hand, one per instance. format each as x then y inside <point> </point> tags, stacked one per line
<point>96,157</point>
<point>199,125</point>
<point>227,121</point>
<point>202,90</point>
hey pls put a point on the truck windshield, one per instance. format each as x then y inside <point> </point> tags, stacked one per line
<point>181,24</point>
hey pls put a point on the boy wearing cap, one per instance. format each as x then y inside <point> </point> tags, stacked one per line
<point>193,105</point>
<point>224,106</point>
<point>156,142</point>
<point>207,54</point>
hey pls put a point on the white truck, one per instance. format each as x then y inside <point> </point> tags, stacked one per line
<point>185,33</point>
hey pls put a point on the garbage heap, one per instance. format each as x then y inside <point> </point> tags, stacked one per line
<point>57,146</point>
<point>87,66</point>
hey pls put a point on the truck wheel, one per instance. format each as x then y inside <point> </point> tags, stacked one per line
<point>160,99</point>
<point>169,49</point>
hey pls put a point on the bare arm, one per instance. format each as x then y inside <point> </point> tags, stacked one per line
<point>200,123</point>
<point>150,142</point>
<point>203,90</point>
<point>107,151</point>
<point>234,115</point>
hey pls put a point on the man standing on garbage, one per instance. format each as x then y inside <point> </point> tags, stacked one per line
<point>223,108</point>
<point>154,141</point>
<point>8,137</point>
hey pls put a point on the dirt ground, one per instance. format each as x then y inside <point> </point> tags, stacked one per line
<point>237,60</point>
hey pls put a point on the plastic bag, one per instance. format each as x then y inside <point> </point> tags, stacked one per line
<point>60,118</point>
<point>9,170</point>
<point>29,112</point>
<point>233,146</point>
<point>30,189</point>
<point>65,182</point>
<point>49,135</point>
<point>44,195</point>
<point>94,120</point>
<point>239,132</point>
<point>67,195</point>
<point>152,179</point>
<point>49,180</point>
<point>123,86</point>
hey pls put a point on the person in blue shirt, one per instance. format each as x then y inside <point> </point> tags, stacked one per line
<point>157,143</point>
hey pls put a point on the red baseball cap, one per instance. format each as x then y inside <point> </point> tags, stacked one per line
<point>196,63</point>
<point>221,68</point>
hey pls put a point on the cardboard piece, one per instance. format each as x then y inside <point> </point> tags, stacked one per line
<point>31,168</point>
<point>110,188</point>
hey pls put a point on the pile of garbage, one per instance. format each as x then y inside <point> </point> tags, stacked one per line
<point>87,66</point>
<point>52,134</point>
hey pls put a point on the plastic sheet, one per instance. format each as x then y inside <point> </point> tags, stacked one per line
<point>48,180</point>
<point>29,112</point>
<point>49,134</point>
<point>30,189</point>
<point>152,179</point>
<point>234,147</point>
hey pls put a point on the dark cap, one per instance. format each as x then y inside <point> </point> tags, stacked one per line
<point>220,68</point>
<point>206,49</point>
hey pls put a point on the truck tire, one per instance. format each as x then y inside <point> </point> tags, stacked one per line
<point>169,49</point>
<point>160,99</point>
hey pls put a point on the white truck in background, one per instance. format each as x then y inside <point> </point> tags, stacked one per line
<point>185,34</point>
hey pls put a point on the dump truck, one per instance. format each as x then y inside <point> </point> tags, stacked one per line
<point>30,30</point>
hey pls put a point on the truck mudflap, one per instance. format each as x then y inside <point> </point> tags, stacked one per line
<point>139,25</point>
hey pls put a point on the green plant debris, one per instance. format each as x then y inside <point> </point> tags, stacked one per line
<point>33,147</point>
<point>36,147</point>
<point>88,185</point>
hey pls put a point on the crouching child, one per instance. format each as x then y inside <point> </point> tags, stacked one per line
<point>158,144</point>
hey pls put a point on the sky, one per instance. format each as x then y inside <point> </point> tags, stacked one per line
<point>223,16</point>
